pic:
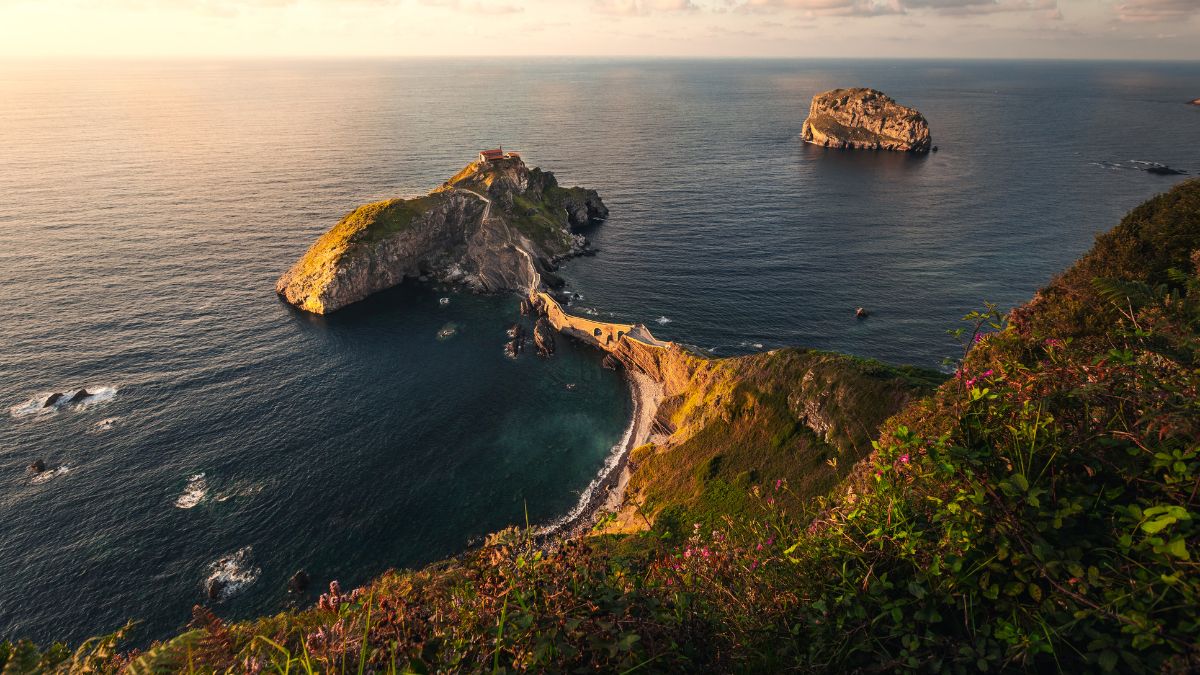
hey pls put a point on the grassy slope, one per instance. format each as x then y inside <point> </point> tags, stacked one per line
<point>744,426</point>
<point>1038,513</point>
<point>358,230</point>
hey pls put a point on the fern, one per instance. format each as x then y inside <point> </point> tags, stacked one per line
<point>96,654</point>
<point>22,658</point>
<point>1121,292</point>
<point>167,657</point>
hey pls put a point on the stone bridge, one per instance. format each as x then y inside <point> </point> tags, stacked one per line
<point>602,334</point>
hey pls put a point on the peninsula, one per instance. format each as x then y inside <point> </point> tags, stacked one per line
<point>815,512</point>
<point>865,119</point>
<point>497,225</point>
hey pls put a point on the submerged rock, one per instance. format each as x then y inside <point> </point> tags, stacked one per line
<point>865,119</point>
<point>52,399</point>
<point>299,582</point>
<point>543,337</point>
<point>79,396</point>
<point>214,587</point>
<point>495,226</point>
<point>38,466</point>
<point>1163,170</point>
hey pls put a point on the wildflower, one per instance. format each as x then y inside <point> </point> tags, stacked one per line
<point>778,482</point>
<point>979,338</point>
<point>770,540</point>
<point>770,500</point>
<point>904,458</point>
<point>758,548</point>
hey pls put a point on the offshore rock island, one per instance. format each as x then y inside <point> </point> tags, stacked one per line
<point>496,226</point>
<point>865,119</point>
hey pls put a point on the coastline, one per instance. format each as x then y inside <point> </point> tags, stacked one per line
<point>606,493</point>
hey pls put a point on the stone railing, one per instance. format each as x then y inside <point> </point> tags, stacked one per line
<point>602,334</point>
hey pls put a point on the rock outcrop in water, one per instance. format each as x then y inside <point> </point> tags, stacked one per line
<point>865,119</point>
<point>495,226</point>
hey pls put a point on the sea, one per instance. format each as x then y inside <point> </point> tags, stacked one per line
<point>227,440</point>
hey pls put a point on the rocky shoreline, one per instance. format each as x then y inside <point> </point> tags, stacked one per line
<point>607,494</point>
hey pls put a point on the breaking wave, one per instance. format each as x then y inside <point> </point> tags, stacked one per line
<point>51,474</point>
<point>194,493</point>
<point>229,574</point>
<point>38,404</point>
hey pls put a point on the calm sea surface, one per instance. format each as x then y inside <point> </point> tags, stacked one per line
<point>146,210</point>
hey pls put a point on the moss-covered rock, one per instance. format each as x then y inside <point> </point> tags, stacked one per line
<point>495,226</point>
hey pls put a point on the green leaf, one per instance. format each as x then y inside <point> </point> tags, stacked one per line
<point>1020,481</point>
<point>1158,524</point>
<point>1178,548</point>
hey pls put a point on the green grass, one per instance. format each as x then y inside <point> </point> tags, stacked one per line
<point>746,433</point>
<point>375,222</point>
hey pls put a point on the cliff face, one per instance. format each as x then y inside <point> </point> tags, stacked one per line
<point>865,119</point>
<point>719,424</point>
<point>494,227</point>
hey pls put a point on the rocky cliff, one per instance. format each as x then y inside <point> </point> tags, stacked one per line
<point>495,226</point>
<point>799,415</point>
<point>865,119</point>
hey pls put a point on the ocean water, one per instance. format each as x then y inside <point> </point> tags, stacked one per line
<point>147,208</point>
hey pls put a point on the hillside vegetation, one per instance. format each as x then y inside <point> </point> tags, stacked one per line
<point>1037,513</point>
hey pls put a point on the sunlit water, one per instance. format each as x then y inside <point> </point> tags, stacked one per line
<point>146,210</point>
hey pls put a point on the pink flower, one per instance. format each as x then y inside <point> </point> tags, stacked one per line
<point>904,458</point>
<point>770,500</point>
<point>758,548</point>
<point>778,482</point>
<point>770,541</point>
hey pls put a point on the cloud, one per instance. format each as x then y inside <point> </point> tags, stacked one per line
<point>642,7</point>
<point>476,6</point>
<point>826,7</point>
<point>886,7</point>
<point>1157,10</point>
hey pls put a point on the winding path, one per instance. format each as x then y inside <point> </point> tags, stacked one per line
<point>487,210</point>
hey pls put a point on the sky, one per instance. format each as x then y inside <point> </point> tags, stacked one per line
<point>1073,29</point>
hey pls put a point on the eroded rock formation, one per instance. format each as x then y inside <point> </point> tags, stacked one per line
<point>865,119</point>
<point>495,226</point>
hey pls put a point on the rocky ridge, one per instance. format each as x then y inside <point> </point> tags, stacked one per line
<point>865,119</point>
<point>495,226</point>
